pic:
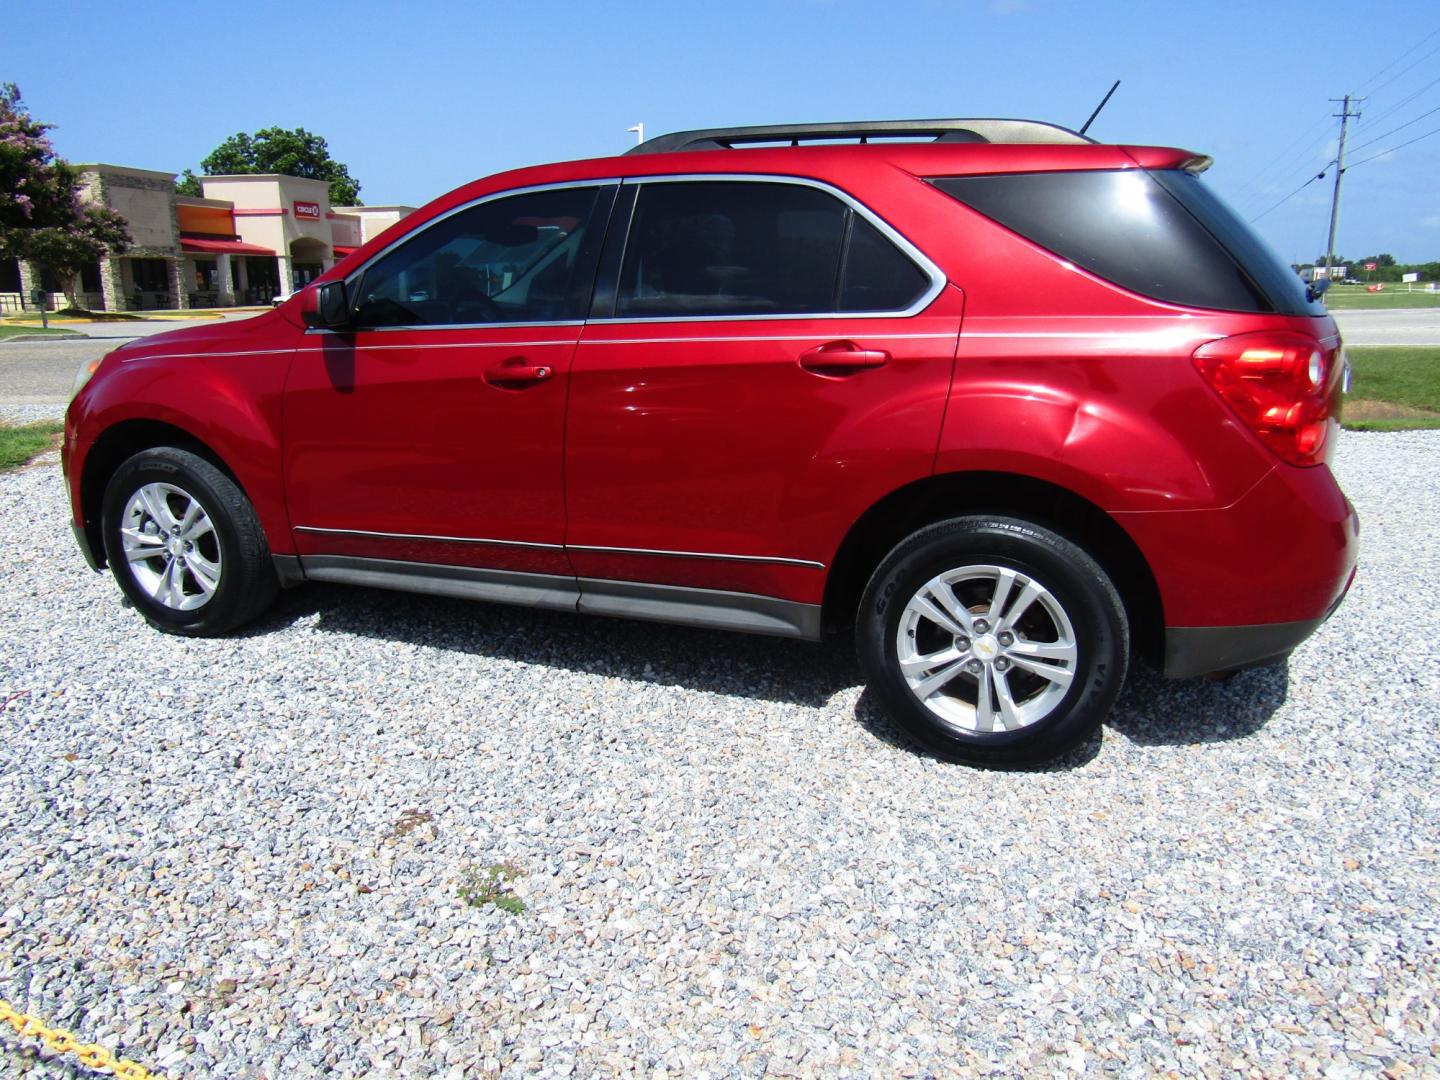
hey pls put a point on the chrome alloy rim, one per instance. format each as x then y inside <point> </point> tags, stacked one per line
<point>171,546</point>
<point>986,648</point>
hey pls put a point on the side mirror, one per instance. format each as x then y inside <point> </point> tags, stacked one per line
<point>325,306</point>
<point>1317,288</point>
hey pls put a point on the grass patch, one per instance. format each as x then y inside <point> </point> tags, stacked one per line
<point>34,331</point>
<point>1429,423</point>
<point>491,885</point>
<point>18,444</point>
<point>1393,389</point>
<point>1355,298</point>
<point>1398,375</point>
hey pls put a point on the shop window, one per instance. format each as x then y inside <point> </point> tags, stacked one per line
<point>150,275</point>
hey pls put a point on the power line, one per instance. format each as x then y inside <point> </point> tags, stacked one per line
<point>1402,56</point>
<point>1393,130</point>
<point>1402,71</point>
<point>1402,102</point>
<point>1287,198</point>
<point>1382,153</point>
<point>1286,159</point>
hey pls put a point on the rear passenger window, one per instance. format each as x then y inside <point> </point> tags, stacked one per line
<point>717,248</point>
<point>878,275</point>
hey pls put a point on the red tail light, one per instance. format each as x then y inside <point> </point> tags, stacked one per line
<point>1283,386</point>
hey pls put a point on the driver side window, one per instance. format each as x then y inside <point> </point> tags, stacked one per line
<point>519,258</point>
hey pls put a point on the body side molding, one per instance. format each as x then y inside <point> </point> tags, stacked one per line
<point>712,608</point>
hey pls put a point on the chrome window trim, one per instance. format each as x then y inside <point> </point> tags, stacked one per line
<point>360,271</point>
<point>691,338</point>
<point>446,326</point>
<point>409,345</point>
<point>923,261</point>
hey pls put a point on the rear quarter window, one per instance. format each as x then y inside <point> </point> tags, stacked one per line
<point>1162,235</point>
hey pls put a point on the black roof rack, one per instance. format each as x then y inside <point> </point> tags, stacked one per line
<point>971,131</point>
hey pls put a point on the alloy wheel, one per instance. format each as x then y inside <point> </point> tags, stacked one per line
<point>986,648</point>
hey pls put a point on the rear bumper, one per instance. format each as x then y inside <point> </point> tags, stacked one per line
<point>1208,650</point>
<point>1246,583</point>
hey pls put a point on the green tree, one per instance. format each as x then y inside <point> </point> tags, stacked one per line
<point>42,218</point>
<point>277,150</point>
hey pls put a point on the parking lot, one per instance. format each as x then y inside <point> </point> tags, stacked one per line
<point>243,858</point>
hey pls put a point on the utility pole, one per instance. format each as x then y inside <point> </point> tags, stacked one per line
<point>1344,114</point>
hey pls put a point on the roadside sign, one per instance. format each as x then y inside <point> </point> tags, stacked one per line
<point>1410,277</point>
<point>1369,266</point>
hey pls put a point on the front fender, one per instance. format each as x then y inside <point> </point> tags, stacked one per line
<point>229,404</point>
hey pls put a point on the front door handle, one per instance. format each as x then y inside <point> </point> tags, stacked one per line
<point>842,358</point>
<point>517,372</point>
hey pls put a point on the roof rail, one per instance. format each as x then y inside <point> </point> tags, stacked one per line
<point>969,131</point>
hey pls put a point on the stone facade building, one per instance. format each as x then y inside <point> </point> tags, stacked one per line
<point>249,239</point>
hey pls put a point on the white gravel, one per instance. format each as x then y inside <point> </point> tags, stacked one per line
<point>217,856</point>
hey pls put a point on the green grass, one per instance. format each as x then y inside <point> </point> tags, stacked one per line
<point>1394,389</point>
<point>34,331</point>
<point>19,444</point>
<point>1413,423</point>
<point>491,886</point>
<point>1355,298</point>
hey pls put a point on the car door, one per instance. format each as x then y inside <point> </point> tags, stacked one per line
<point>766,359</point>
<point>431,435</point>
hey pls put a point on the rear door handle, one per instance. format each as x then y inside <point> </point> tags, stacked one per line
<point>842,358</point>
<point>515,372</point>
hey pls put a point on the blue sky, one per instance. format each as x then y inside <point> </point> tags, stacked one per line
<point>420,97</point>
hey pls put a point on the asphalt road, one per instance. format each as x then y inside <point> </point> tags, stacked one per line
<point>1400,326</point>
<point>40,372</point>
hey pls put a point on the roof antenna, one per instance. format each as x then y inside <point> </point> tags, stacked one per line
<point>1099,107</point>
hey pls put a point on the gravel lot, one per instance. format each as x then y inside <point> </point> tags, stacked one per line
<point>241,858</point>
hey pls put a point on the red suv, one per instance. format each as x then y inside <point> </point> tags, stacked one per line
<point>1010,402</point>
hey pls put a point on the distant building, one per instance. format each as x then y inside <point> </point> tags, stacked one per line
<point>249,239</point>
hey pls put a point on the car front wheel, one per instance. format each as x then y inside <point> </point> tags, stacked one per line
<point>184,544</point>
<point>993,640</point>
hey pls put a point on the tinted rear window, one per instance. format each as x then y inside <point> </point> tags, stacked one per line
<point>1271,273</point>
<point>1162,235</point>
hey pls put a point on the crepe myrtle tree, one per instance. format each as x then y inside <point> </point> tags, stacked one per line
<point>42,219</point>
<point>277,150</point>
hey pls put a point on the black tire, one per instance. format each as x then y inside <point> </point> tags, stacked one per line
<point>1076,616</point>
<point>245,583</point>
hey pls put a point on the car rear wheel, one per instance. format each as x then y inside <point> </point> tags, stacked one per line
<point>993,640</point>
<point>184,544</point>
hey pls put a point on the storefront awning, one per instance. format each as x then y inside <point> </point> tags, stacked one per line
<point>341,251</point>
<point>223,247</point>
